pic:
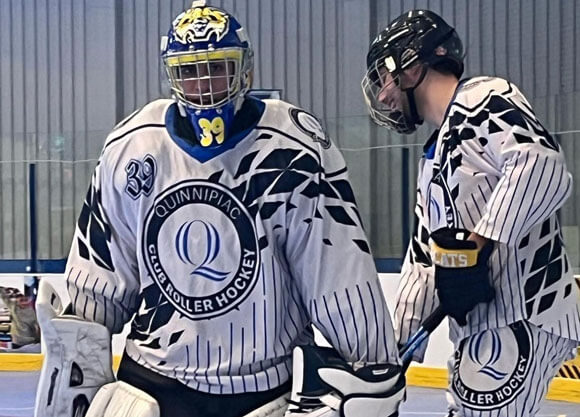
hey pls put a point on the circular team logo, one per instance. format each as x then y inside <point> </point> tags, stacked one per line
<point>310,125</point>
<point>201,248</point>
<point>491,367</point>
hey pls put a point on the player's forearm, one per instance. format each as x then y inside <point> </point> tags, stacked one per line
<point>478,239</point>
<point>415,300</point>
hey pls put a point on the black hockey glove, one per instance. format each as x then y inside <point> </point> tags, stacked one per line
<point>461,272</point>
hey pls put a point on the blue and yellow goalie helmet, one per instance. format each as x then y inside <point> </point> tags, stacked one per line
<point>209,63</point>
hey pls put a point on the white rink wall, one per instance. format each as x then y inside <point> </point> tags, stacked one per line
<point>437,353</point>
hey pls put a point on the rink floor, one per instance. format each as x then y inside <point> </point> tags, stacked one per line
<point>19,388</point>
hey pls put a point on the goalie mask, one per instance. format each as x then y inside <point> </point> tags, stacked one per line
<point>208,60</point>
<point>416,37</point>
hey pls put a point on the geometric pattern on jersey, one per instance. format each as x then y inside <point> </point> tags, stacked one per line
<point>94,241</point>
<point>154,312</point>
<point>544,269</point>
<point>420,245</point>
<point>493,114</point>
<point>498,112</point>
<point>280,171</point>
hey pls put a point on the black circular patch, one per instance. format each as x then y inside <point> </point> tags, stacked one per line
<point>491,367</point>
<point>310,125</point>
<point>201,248</point>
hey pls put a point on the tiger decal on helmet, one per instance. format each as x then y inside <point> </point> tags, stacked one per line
<point>198,24</point>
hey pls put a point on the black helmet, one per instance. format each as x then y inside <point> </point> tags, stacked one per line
<point>415,36</point>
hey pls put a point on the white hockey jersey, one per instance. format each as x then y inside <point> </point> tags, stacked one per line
<point>493,169</point>
<point>223,257</point>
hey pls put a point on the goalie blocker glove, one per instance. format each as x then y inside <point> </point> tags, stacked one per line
<point>461,272</point>
<point>325,385</point>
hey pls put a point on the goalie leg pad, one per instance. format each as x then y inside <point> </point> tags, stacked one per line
<point>77,362</point>
<point>275,408</point>
<point>325,411</point>
<point>119,399</point>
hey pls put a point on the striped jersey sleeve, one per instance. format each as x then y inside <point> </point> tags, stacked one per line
<point>533,179</point>
<point>416,297</point>
<point>101,267</point>
<point>331,262</point>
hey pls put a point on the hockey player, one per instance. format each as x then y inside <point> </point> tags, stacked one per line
<point>222,227</point>
<point>487,245</point>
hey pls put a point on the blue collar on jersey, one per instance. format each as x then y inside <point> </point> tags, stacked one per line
<point>252,108</point>
<point>429,147</point>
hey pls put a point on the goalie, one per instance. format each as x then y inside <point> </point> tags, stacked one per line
<point>222,226</point>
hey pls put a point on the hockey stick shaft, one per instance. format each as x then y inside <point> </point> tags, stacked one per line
<point>428,326</point>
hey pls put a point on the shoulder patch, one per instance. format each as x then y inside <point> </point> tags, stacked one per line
<point>310,126</point>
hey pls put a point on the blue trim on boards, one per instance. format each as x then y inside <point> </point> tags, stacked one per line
<point>27,266</point>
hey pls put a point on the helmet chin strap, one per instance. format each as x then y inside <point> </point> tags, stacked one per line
<point>415,118</point>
